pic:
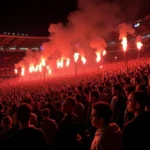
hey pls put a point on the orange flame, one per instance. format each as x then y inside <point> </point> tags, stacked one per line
<point>47,67</point>
<point>43,61</point>
<point>76,57</point>
<point>49,71</point>
<point>83,59</point>
<point>31,68</point>
<point>60,63</point>
<point>67,62</point>
<point>139,45</point>
<point>104,52</point>
<point>22,71</point>
<point>40,68</point>
<point>98,56</point>
<point>16,71</point>
<point>124,43</point>
<point>36,68</point>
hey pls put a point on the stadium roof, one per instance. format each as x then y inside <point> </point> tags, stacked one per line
<point>7,41</point>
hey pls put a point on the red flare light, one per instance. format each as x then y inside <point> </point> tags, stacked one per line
<point>124,44</point>
<point>67,62</point>
<point>16,71</point>
<point>76,57</point>
<point>22,71</point>
<point>83,59</point>
<point>98,56</point>
<point>104,52</point>
<point>139,45</point>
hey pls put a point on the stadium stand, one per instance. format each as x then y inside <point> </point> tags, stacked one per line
<point>20,43</point>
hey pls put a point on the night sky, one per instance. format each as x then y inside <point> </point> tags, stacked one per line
<point>34,16</point>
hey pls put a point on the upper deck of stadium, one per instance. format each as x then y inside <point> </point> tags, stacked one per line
<point>20,43</point>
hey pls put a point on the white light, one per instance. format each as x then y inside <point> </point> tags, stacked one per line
<point>4,32</point>
<point>8,33</point>
<point>137,25</point>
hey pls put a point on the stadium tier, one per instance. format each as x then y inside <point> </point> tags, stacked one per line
<point>20,43</point>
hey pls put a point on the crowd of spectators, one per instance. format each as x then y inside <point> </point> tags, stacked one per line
<point>105,110</point>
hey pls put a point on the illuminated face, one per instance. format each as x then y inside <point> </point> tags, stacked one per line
<point>113,91</point>
<point>138,88</point>
<point>127,93</point>
<point>131,104</point>
<point>95,120</point>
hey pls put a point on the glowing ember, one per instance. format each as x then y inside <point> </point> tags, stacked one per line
<point>67,62</point>
<point>83,59</point>
<point>36,68</point>
<point>16,71</point>
<point>49,71</point>
<point>22,71</point>
<point>31,69</point>
<point>76,57</point>
<point>40,68</point>
<point>60,63</point>
<point>139,45</point>
<point>104,52</point>
<point>124,44</point>
<point>47,67</point>
<point>43,61</point>
<point>98,56</point>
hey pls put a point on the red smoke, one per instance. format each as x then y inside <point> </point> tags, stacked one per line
<point>125,29</point>
<point>85,32</point>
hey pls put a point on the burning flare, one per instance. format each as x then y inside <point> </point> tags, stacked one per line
<point>124,43</point>
<point>31,68</point>
<point>67,62</point>
<point>36,68</point>
<point>83,59</point>
<point>22,71</point>
<point>47,67</point>
<point>40,67</point>
<point>16,71</point>
<point>98,56</point>
<point>76,57</point>
<point>139,45</point>
<point>104,52</point>
<point>60,63</point>
<point>43,61</point>
<point>49,71</point>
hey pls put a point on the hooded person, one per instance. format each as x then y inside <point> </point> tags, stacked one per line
<point>108,135</point>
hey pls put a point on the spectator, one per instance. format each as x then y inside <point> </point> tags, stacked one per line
<point>6,124</point>
<point>108,135</point>
<point>128,115</point>
<point>118,104</point>
<point>68,127</point>
<point>50,127</point>
<point>59,115</point>
<point>103,97</point>
<point>2,115</point>
<point>137,131</point>
<point>28,137</point>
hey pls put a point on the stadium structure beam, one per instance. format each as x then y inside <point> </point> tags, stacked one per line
<point>1,40</point>
<point>11,42</point>
<point>22,43</point>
